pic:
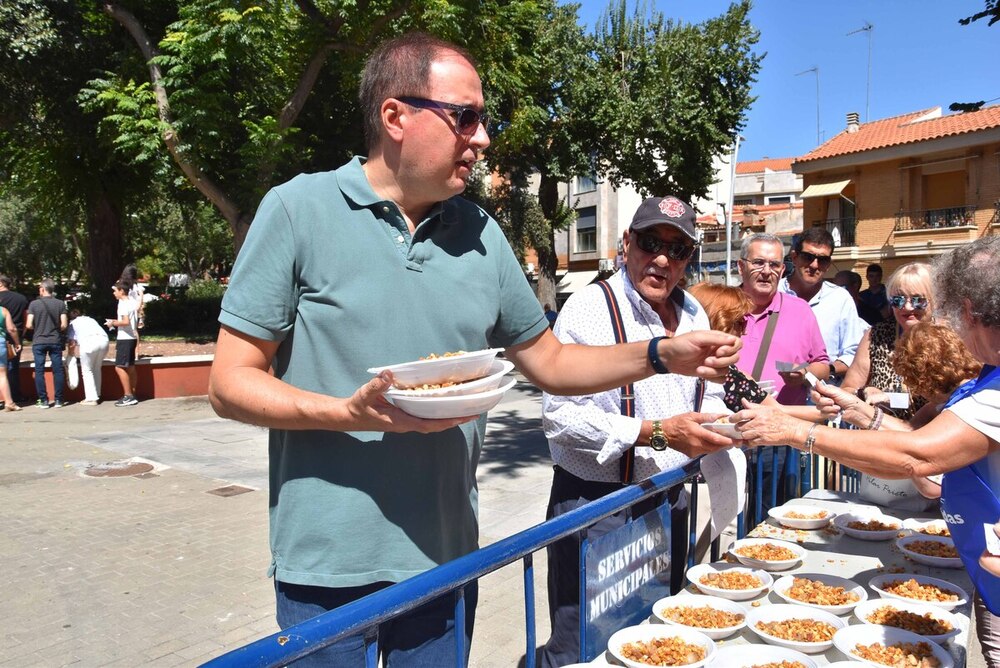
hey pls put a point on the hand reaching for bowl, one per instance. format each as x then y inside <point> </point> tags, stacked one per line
<point>370,411</point>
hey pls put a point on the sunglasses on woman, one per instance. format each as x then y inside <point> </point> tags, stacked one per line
<point>917,302</point>
<point>652,244</point>
<point>467,119</point>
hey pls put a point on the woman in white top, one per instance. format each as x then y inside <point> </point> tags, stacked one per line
<point>88,341</point>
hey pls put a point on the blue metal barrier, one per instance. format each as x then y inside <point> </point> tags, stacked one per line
<point>362,617</point>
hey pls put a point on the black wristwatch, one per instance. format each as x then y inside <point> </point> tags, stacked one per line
<point>833,370</point>
<point>658,441</point>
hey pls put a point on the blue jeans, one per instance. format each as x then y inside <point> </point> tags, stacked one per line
<point>54,351</point>
<point>422,637</point>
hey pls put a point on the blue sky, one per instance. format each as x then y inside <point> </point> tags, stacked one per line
<point>920,57</point>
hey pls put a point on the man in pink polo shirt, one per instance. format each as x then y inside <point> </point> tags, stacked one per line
<point>796,338</point>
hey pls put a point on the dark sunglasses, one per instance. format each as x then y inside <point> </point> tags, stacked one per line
<point>809,258</point>
<point>467,119</point>
<point>917,302</point>
<point>652,244</point>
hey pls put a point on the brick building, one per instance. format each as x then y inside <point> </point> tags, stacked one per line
<point>905,188</point>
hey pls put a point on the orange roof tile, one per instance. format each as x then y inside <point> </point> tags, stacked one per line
<point>755,166</point>
<point>909,128</point>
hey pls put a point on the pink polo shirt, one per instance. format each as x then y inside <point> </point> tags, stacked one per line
<point>797,339</point>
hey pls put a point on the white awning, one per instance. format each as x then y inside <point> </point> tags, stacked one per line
<point>825,189</point>
<point>575,280</point>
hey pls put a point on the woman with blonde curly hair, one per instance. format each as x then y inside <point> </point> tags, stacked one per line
<point>871,374</point>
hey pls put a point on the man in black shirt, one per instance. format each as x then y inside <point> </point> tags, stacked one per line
<point>851,281</point>
<point>47,318</point>
<point>17,304</point>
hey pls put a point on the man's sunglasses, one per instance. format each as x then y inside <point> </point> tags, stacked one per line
<point>809,258</point>
<point>467,119</point>
<point>917,302</point>
<point>652,244</point>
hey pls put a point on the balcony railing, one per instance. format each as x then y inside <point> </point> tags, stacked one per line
<point>842,230</point>
<point>930,219</point>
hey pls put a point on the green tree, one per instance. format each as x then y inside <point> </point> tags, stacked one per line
<point>642,100</point>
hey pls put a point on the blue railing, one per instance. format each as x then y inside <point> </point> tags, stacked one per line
<point>363,617</point>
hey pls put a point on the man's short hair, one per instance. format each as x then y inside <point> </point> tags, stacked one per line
<point>123,285</point>
<point>760,237</point>
<point>398,67</point>
<point>5,281</point>
<point>48,285</point>
<point>873,268</point>
<point>819,236</point>
<point>850,278</point>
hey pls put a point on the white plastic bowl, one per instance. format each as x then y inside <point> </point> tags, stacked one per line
<point>647,632</point>
<point>783,584</point>
<point>879,582</point>
<point>780,515</point>
<point>919,526</point>
<point>454,369</point>
<point>778,613</point>
<point>498,369</point>
<point>867,634</point>
<point>842,521</point>
<point>695,601</point>
<point>768,565</point>
<point>864,610</point>
<point>695,573</point>
<point>747,656</point>
<point>905,545</point>
<point>452,407</point>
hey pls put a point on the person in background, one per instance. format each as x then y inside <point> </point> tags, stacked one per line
<point>88,341</point>
<point>875,295</point>
<point>550,315</point>
<point>17,305</point>
<point>297,338</point>
<point>851,281</point>
<point>591,440</point>
<point>871,374</point>
<point>9,336</point>
<point>833,307</point>
<point>47,320</point>
<point>125,342</point>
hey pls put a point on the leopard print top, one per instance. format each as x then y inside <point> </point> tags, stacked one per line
<point>881,345</point>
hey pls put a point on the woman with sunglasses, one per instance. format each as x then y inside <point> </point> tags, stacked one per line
<point>871,374</point>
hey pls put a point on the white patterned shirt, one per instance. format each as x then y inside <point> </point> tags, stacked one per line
<point>588,434</point>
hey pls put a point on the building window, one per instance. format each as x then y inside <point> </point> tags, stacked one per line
<point>784,199</point>
<point>742,201</point>
<point>585,184</point>
<point>586,229</point>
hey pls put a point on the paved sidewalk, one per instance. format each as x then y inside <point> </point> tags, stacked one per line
<point>158,571</point>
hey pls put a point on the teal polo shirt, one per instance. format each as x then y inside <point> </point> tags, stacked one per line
<point>331,272</point>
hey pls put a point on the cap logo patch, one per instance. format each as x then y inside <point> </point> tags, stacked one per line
<point>672,207</point>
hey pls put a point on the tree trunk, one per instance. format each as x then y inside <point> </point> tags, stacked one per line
<point>548,262</point>
<point>104,257</point>
<point>241,227</point>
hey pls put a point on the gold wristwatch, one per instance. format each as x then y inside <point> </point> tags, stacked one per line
<point>658,440</point>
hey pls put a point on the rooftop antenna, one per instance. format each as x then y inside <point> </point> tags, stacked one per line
<point>815,70</point>
<point>867,27</point>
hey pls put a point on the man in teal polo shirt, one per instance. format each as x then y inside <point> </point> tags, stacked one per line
<point>376,263</point>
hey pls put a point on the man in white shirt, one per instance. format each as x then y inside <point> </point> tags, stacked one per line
<point>589,436</point>
<point>833,306</point>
